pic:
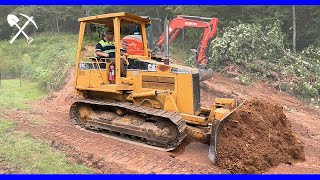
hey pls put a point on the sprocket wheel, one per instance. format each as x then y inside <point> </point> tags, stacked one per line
<point>169,130</point>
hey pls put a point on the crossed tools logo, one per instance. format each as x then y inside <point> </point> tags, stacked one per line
<point>13,21</point>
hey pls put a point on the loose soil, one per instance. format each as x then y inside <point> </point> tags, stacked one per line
<point>8,168</point>
<point>49,120</point>
<point>255,137</point>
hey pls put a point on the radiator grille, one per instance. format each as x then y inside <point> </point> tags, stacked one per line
<point>158,82</point>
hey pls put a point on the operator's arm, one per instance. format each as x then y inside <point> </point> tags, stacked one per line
<point>99,51</point>
<point>102,54</point>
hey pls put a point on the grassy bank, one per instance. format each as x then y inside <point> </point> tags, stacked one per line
<point>26,153</point>
<point>46,60</point>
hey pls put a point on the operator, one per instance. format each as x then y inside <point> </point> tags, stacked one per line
<point>106,49</point>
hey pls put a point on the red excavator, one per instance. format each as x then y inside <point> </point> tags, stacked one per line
<point>133,43</point>
<point>180,22</point>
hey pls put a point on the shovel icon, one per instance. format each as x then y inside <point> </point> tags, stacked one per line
<point>13,21</point>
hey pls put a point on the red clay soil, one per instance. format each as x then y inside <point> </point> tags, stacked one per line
<point>257,136</point>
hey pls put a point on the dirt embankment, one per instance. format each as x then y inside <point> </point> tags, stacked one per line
<point>63,98</point>
<point>257,136</point>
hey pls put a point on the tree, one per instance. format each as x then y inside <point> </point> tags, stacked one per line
<point>294,29</point>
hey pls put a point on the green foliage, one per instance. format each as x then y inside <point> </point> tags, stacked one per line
<point>33,155</point>
<point>245,79</point>
<point>46,60</point>
<point>306,68</point>
<point>181,53</point>
<point>246,43</point>
<point>259,51</point>
<point>12,95</point>
<point>64,18</point>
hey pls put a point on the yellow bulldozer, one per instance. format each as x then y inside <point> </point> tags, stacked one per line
<point>153,102</point>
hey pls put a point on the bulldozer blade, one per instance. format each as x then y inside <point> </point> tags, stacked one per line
<point>217,126</point>
<point>214,140</point>
<point>205,74</point>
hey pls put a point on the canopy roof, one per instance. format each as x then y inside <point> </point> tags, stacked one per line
<point>107,19</point>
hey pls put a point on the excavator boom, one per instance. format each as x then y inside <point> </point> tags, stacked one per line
<point>180,22</point>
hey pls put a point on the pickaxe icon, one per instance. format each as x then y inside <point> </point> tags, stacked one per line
<point>13,20</point>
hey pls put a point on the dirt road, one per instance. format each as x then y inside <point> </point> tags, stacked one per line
<point>49,120</point>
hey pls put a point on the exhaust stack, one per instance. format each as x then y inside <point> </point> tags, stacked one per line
<point>166,44</point>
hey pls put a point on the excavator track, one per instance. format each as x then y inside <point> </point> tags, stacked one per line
<point>152,126</point>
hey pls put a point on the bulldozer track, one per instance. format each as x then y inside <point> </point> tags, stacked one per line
<point>132,135</point>
<point>123,139</point>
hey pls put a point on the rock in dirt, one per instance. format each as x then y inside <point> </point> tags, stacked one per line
<point>255,137</point>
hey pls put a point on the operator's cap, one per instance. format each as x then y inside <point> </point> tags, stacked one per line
<point>108,32</point>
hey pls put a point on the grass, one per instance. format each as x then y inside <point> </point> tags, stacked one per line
<point>5,126</point>
<point>181,53</point>
<point>29,154</point>
<point>33,155</point>
<point>12,95</point>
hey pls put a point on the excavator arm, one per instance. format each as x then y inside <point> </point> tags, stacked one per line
<point>180,22</point>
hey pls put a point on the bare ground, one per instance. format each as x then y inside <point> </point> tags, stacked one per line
<point>49,120</point>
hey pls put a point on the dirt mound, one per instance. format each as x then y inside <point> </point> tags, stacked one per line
<point>257,136</point>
